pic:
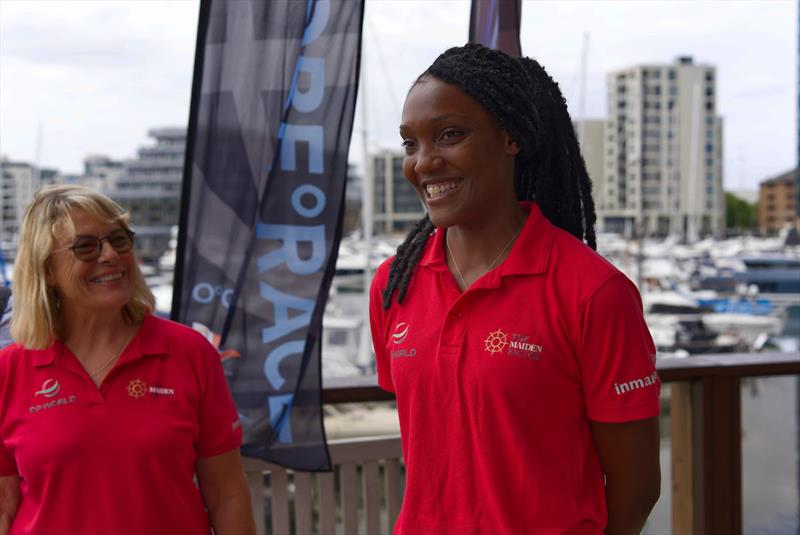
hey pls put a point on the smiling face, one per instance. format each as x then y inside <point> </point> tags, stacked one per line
<point>102,285</point>
<point>457,157</point>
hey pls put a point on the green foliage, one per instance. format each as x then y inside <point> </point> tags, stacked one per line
<point>740,214</point>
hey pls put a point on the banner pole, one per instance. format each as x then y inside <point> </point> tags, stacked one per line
<point>186,184</point>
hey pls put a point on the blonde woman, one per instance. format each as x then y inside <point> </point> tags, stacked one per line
<point>107,413</point>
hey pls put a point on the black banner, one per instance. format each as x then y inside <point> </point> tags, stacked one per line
<point>271,116</point>
<point>496,23</point>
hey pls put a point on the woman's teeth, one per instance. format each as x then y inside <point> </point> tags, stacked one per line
<point>437,190</point>
<point>108,278</point>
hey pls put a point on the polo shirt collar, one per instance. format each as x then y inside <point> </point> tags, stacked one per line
<point>147,341</point>
<point>529,255</point>
<point>434,255</point>
<point>45,357</point>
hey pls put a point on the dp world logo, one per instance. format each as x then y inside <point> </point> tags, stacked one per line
<point>50,388</point>
<point>400,333</point>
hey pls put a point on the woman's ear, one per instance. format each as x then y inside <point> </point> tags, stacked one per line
<point>512,149</point>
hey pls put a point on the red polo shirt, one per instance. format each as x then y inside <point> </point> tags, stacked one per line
<point>496,386</point>
<point>118,459</point>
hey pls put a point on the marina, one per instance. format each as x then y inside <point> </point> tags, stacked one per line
<point>700,299</point>
<point>713,296</point>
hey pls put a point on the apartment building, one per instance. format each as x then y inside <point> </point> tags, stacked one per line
<point>396,206</point>
<point>18,182</point>
<point>777,202</point>
<point>150,190</point>
<point>663,152</point>
<point>591,136</point>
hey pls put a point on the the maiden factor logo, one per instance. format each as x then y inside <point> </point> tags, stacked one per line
<point>496,341</point>
<point>515,345</point>
<point>138,388</point>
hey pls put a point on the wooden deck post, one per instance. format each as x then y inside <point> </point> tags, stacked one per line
<point>682,465</point>
<point>706,456</point>
<point>717,400</point>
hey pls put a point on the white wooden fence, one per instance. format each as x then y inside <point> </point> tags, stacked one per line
<point>367,499</point>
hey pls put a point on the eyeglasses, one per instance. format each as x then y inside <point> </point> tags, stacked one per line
<point>89,248</point>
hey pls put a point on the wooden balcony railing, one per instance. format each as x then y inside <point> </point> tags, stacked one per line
<point>706,454</point>
<point>367,479</point>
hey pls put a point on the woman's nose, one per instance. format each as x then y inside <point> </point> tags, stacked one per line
<point>428,162</point>
<point>107,252</point>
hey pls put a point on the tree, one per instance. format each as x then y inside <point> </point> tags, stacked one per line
<point>740,214</point>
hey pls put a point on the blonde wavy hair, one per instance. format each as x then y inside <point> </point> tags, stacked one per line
<point>36,319</point>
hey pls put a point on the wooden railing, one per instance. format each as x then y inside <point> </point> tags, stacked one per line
<point>706,453</point>
<point>367,479</point>
<point>706,431</point>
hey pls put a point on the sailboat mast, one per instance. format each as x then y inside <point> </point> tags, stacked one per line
<point>364,357</point>
<point>582,95</point>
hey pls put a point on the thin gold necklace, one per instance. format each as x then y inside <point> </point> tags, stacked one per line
<point>458,269</point>
<point>110,361</point>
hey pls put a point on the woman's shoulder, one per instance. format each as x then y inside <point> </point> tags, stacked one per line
<point>384,267</point>
<point>381,276</point>
<point>166,327</point>
<point>15,357</point>
<point>570,248</point>
<point>10,354</point>
<point>16,352</point>
<point>575,264</point>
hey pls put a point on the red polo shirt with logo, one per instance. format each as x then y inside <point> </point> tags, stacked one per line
<point>118,459</point>
<point>496,386</point>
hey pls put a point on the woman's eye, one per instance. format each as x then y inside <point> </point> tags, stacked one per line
<point>449,135</point>
<point>407,144</point>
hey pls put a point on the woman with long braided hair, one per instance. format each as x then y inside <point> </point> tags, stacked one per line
<point>523,368</point>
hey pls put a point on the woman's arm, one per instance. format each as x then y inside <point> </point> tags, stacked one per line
<point>629,453</point>
<point>225,494</point>
<point>9,501</point>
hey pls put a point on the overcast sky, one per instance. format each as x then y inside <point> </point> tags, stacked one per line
<point>94,76</point>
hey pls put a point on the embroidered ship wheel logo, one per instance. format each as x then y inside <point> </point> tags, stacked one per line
<point>496,341</point>
<point>137,389</point>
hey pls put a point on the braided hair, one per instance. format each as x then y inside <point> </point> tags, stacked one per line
<point>549,168</point>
